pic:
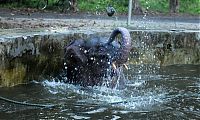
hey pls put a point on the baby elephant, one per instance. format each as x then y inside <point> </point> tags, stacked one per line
<point>88,62</point>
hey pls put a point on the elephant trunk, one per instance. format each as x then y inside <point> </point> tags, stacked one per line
<point>122,54</point>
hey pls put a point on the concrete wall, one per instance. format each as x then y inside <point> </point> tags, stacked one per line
<point>27,57</point>
<point>166,47</point>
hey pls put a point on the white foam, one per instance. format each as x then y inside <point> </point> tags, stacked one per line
<point>80,117</point>
<point>100,110</point>
<point>137,99</point>
<point>115,117</point>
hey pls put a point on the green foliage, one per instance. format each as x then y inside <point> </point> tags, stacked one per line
<point>155,5</point>
<point>121,6</point>
<point>100,5</point>
<point>190,6</point>
<point>185,6</point>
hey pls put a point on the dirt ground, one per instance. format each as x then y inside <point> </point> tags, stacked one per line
<point>32,18</point>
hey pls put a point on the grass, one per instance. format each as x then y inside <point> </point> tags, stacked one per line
<point>100,5</point>
<point>162,6</point>
<point>190,7</point>
<point>159,6</point>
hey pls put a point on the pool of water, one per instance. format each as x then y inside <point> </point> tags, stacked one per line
<point>151,92</point>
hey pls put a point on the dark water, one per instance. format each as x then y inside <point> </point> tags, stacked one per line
<point>151,92</point>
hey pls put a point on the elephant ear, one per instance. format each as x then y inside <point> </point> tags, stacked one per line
<point>73,53</point>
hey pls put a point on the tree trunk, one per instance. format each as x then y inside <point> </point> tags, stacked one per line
<point>74,5</point>
<point>137,8</point>
<point>173,6</point>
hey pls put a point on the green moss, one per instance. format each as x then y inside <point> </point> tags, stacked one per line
<point>14,76</point>
<point>29,67</point>
<point>181,56</point>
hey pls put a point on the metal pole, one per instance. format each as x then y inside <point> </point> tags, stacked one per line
<point>129,12</point>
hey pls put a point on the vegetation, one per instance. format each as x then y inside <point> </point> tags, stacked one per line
<point>100,5</point>
<point>121,6</point>
<point>190,6</point>
<point>161,6</point>
<point>158,6</point>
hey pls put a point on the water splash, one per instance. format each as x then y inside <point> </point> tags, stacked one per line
<point>135,96</point>
<point>137,93</point>
<point>57,87</point>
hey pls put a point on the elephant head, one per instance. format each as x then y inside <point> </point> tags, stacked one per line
<point>89,61</point>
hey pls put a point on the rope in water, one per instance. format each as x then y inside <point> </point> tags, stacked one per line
<point>27,104</point>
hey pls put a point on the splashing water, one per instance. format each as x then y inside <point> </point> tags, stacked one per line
<point>134,95</point>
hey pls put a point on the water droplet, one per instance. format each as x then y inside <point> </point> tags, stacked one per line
<point>25,37</point>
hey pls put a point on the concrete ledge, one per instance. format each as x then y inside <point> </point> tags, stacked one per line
<point>38,54</point>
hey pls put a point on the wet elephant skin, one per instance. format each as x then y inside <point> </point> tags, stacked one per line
<point>88,62</point>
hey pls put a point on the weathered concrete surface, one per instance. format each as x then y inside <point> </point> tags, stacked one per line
<point>166,47</point>
<point>37,54</point>
<point>83,24</point>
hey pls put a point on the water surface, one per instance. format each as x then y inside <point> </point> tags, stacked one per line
<point>151,92</point>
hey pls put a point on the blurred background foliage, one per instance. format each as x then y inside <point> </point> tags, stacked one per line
<point>121,6</point>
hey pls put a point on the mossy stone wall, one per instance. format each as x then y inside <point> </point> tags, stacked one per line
<point>41,56</point>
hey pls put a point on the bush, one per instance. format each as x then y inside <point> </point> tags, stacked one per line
<point>190,6</point>
<point>100,5</point>
<point>185,6</point>
<point>121,6</point>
